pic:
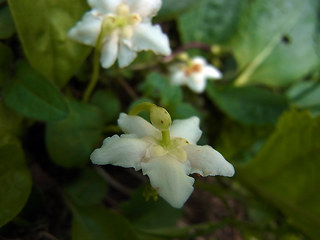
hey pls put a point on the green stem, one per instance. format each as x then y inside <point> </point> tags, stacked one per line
<point>95,73</point>
<point>166,141</point>
<point>145,106</point>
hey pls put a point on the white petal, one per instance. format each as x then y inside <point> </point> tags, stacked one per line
<point>212,72</point>
<point>109,51</point>
<point>120,151</point>
<point>197,82</point>
<point>86,30</point>
<point>207,161</point>
<point>168,176</point>
<point>186,128</point>
<point>145,8</point>
<point>150,37</point>
<point>104,6</point>
<point>177,77</point>
<point>137,125</point>
<point>126,55</point>
<point>199,60</point>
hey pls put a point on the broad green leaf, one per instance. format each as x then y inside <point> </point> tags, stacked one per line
<point>96,223</point>
<point>71,140</point>
<point>6,58</point>
<point>306,95</point>
<point>275,41</point>
<point>185,110</point>
<point>239,142</point>
<point>7,28</point>
<point>213,21</point>
<point>150,214</point>
<point>285,171</point>
<point>157,87</point>
<point>171,8</point>
<point>108,103</point>
<point>87,189</point>
<point>249,105</point>
<point>42,27</point>
<point>30,94</point>
<point>10,121</point>
<point>15,179</point>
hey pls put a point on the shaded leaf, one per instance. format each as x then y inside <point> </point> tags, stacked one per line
<point>7,28</point>
<point>249,105</point>
<point>171,9</point>
<point>275,43</point>
<point>88,189</point>
<point>15,179</point>
<point>10,122</point>
<point>30,94</point>
<point>285,171</point>
<point>306,95</point>
<point>70,141</point>
<point>150,214</point>
<point>108,103</point>
<point>157,87</point>
<point>6,58</point>
<point>212,21</point>
<point>96,223</point>
<point>42,27</point>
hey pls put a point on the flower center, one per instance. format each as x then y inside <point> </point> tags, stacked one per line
<point>175,149</point>
<point>123,20</point>
<point>193,68</point>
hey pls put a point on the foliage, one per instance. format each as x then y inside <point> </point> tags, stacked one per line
<point>263,116</point>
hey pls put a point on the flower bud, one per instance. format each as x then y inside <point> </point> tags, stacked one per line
<point>160,118</point>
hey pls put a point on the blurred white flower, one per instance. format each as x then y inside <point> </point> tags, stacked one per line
<point>194,73</point>
<point>126,27</point>
<point>167,167</point>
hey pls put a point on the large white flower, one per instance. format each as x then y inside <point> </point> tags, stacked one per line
<point>167,167</point>
<point>128,28</point>
<point>194,73</point>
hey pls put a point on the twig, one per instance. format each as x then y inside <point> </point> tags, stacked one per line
<point>128,88</point>
<point>110,180</point>
<point>198,45</point>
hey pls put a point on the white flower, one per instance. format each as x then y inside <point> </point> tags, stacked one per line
<point>167,167</point>
<point>128,28</point>
<point>194,74</point>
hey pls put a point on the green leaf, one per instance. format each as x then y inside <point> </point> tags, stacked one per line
<point>306,95</point>
<point>33,96</point>
<point>285,171</point>
<point>249,105</point>
<point>239,142</point>
<point>42,27</point>
<point>10,122</point>
<point>157,87</point>
<point>108,103</point>
<point>275,43</point>
<point>7,28</point>
<point>6,58</point>
<point>71,140</point>
<point>88,189</point>
<point>96,223</point>
<point>15,179</point>
<point>171,8</point>
<point>213,21</point>
<point>150,214</point>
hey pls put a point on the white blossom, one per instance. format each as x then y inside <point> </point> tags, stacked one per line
<point>167,167</point>
<point>128,28</point>
<point>194,73</point>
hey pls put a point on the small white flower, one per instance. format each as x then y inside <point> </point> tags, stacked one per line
<point>129,29</point>
<point>167,167</point>
<point>194,74</point>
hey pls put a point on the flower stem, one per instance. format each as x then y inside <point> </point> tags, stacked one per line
<point>166,141</point>
<point>145,106</point>
<point>94,76</point>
